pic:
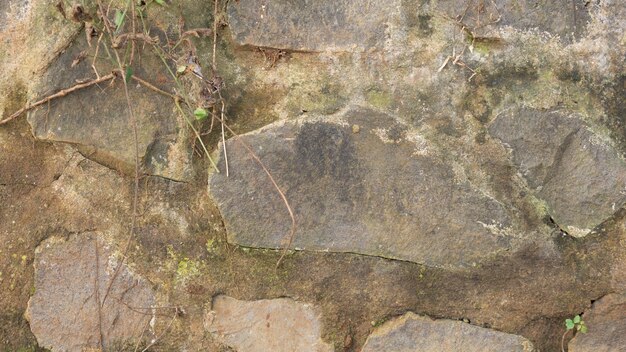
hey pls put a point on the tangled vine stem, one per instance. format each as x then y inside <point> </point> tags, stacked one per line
<point>292,230</point>
<point>563,340</point>
<point>107,33</point>
<point>133,123</point>
<point>59,94</point>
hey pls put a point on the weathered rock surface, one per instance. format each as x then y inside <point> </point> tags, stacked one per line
<point>429,184</point>
<point>311,25</point>
<point>485,18</point>
<point>266,325</point>
<point>27,46</point>
<point>382,191</point>
<point>97,120</point>
<point>362,25</point>
<point>412,332</point>
<point>606,323</point>
<point>63,312</point>
<point>581,177</point>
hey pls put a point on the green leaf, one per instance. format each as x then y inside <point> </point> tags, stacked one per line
<point>160,2</point>
<point>583,329</point>
<point>129,74</point>
<point>200,114</point>
<point>577,319</point>
<point>569,324</point>
<point>181,69</point>
<point>119,19</point>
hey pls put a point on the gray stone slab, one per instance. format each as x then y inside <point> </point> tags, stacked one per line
<point>97,120</point>
<point>484,18</point>
<point>278,325</point>
<point>379,192</point>
<point>580,176</point>
<point>411,333</point>
<point>63,312</point>
<point>304,25</point>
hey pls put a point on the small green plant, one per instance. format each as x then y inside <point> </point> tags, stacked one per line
<point>575,325</point>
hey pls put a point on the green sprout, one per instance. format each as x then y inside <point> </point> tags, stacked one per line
<point>575,325</point>
<point>200,114</point>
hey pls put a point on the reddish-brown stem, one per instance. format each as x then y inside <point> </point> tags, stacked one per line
<point>60,94</point>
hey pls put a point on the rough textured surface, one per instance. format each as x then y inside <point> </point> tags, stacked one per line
<point>386,193</point>
<point>486,19</point>
<point>27,47</point>
<point>12,9</point>
<point>581,177</point>
<point>606,323</point>
<point>279,325</point>
<point>431,78</point>
<point>362,25</point>
<point>63,313</point>
<point>311,25</point>
<point>97,119</point>
<point>412,332</point>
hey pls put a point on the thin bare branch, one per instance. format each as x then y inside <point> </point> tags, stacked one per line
<point>122,38</point>
<point>59,94</point>
<point>143,331</point>
<point>215,35</point>
<point>155,88</point>
<point>96,284</point>
<point>292,230</point>
<point>224,138</point>
<point>95,56</point>
<point>162,334</point>
<point>133,122</point>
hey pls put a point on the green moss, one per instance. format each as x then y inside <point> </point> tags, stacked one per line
<point>378,98</point>
<point>379,322</point>
<point>540,205</point>
<point>27,349</point>
<point>187,268</point>
<point>319,97</point>
<point>211,246</point>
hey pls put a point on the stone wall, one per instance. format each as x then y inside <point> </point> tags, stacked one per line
<point>383,175</point>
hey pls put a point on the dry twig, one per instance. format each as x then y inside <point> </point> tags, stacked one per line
<point>133,122</point>
<point>59,94</point>
<point>292,230</point>
<point>96,285</point>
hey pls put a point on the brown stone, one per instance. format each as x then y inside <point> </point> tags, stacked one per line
<point>63,311</point>
<point>278,325</point>
<point>411,332</point>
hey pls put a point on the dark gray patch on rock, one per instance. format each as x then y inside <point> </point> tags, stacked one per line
<point>373,192</point>
<point>579,175</point>
<point>326,25</point>
<point>63,312</point>
<point>412,332</point>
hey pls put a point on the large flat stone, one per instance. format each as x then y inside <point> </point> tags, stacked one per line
<point>97,119</point>
<point>63,311</point>
<point>412,332</point>
<point>485,18</point>
<point>278,325</point>
<point>383,191</point>
<point>32,34</point>
<point>327,25</point>
<point>581,177</point>
<point>606,323</point>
